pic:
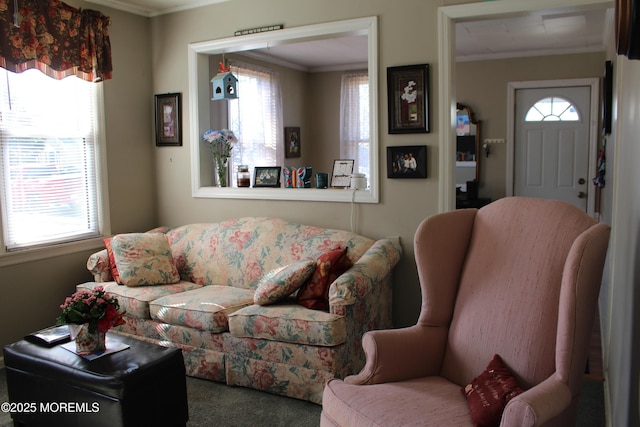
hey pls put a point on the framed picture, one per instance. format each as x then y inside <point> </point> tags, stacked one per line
<point>291,142</point>
<point>266,176</point>
<point>168,119</point>
<point>607,98</point>
<point>408,98</point>
<point>342,170</point>
<point>407,161</point>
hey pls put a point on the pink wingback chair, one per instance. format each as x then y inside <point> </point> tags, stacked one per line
<point>519,278</point>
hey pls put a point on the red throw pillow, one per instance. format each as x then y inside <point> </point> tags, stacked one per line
<point>315,293</point>
<point>489,393</point>
<point>112,261</point>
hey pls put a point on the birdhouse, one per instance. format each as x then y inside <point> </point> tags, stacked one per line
<point>225,86</point>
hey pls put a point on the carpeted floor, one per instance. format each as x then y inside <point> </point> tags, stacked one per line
<point>210,404</point>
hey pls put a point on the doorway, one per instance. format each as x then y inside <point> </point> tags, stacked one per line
<point>552,140</point>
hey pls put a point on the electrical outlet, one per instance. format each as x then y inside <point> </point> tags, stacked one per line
<point>494,141</point>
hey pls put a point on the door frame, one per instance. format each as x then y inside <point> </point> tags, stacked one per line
<point>594,85</point>
<point>447,18</point>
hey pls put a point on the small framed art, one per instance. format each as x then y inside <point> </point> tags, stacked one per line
<point>407,161</point>
<point>292,142</point>
<point>266,176</point>
<point>342,170</point>
<point>408,98</point>
<point>168,119</point>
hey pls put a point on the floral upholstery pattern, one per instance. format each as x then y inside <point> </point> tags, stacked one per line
<point>282,348</point>
<point>288,323</point>
<point>143,259</point>
<point>281,282</point>
<point>205,308</point>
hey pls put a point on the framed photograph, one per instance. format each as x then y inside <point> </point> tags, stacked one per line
<point>607,98</point>
<point>291,142</point>
<point>408,98</point>
<point>266,176</point>
<point>407,161</point>
<point>168,120</point>
<point>342,170</point>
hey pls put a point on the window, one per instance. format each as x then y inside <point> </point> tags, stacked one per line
<point>256,117</point>
<point>47,159</point>
<point>552,109</point>
<point>354,120</point>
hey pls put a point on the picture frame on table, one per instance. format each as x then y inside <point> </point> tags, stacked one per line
<point>407,161</point>
<point>292,146</point>
<point>168,111</point>
<point>341,175</point>
<point>266,176</point>
<point>408,98</point>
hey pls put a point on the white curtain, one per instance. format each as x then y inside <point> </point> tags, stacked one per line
<point>256,116</point>
<point>354,120</point>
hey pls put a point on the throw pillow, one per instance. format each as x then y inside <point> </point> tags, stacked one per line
<point>489,393</point>
<point>315,293</point>
<point>112,262</point>
<point>144,259</point>
<point>281,282</point>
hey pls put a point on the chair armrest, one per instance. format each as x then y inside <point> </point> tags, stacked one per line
<point>98,265</point>
<point>538,405</point>
<point>401,354</point>
<point>372,268</point>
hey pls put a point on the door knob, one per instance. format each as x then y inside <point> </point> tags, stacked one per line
<point>582,195</point>
<point>582,181</point>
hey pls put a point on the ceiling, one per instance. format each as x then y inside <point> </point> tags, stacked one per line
<point>538,33</point>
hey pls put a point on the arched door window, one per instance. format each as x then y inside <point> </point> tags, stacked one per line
<point>552,109</point>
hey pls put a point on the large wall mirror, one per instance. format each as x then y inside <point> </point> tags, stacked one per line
<point>310,100</point>
<point>467,151</point>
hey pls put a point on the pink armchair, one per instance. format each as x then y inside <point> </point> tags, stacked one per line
<point>519,278</point>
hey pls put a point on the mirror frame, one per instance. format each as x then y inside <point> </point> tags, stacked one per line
<point>473,121</point>
<point>199,101</point>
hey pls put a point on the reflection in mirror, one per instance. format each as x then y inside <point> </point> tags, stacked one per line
<point>311,94</point>
<point>467,152</point>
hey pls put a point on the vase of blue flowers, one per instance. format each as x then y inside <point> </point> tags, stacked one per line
<point>221,143</point>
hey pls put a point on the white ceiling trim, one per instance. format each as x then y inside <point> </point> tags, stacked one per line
<point>139,8</point>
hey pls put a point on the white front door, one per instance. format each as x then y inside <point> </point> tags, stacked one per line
<point>551,143</point>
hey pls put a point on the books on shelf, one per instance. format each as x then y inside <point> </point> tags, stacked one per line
<point>50,337</point>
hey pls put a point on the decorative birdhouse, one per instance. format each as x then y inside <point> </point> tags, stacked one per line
<point>225,86</point>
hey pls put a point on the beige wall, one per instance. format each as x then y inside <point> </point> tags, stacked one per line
<point>482,85</point>
<point>33,291</point>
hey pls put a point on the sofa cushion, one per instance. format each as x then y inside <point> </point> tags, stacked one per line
<point>135,301</point>
<point>206,308</point>
<point>288,322</point>
<point>281,282</point>
<point>489,393</point>
<point>315,293</point>
<point>144,259</point>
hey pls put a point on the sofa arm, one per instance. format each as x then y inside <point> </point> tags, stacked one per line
<point>538,405</point>
<point>372,268</point>
<point>98,265</point>
<point>401,354</point>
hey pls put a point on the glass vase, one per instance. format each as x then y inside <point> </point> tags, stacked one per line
<point>87,341</point>
<point>220,166</point>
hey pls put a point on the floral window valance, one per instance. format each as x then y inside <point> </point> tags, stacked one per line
<point>55,38</point>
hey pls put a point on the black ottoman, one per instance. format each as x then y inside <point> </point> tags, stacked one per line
<point>144,385</point>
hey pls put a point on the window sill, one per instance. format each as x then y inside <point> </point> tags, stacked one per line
<point>36,254</point>
<point>297,194</point>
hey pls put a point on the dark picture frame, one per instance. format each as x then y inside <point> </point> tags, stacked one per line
<point>168,108</point>
<point>407,161</point>
<point>341,175</point>
<point>266,176</point>
<point>292,146</point>
<point>408,98</point>
<point>607,98</point>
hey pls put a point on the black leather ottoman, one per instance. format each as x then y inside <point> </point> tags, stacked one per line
<point>144,385</point>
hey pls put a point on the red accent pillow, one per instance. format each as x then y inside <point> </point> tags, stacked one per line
<point>489,393</point>
<point>315,293</point>
<point>112,261</point>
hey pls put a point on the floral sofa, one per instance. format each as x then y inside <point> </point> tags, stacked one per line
<point>208,308</point>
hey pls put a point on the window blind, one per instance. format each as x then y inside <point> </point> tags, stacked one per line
<point>48,159</point>
<point>354,120</point>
